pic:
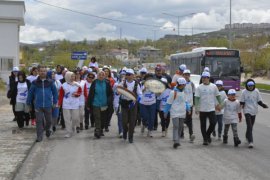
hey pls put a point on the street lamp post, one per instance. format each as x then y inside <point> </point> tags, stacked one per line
<point>178,25</point>
<point>230,30</point>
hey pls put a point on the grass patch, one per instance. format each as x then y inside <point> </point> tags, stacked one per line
<point>2,85</point>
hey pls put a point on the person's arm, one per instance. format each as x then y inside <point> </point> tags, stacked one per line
<point>55,94</point>
<point>30,95</point>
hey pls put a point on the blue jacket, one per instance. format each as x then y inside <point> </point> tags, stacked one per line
<point>43,93</point>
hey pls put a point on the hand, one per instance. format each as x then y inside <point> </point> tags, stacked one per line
<point>218,108</point>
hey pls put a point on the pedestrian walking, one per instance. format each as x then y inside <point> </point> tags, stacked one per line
<point>88,112</point>
<point>100,97</point>
<point>177,106</point>
<point>205,105</point>
<point>250,99</point>
<point>165,122</point>
<point>232,114</point>
<point>69,100</point>
<point>128,106</point>
<point>219,114</point>
<point>44,94</point>
<point>13,78</point>
<point>19,93</point>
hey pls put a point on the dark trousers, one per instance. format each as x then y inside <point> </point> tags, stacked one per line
<point>139,119</point>
<point>13,110</point>
<point>219,120</point>
<point>212,122</point>
<point>156,120</point>
<point>21,118</point>
<point>100,118</point>
<point>250,120</point>
<point>61,117</point>
<point>32,112</point>
<point>165,122</point>
<point>89,114</point>
<point>109,116</point>
<point>129,116</point>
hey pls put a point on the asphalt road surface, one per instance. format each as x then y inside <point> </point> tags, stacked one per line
<point>83,157</point>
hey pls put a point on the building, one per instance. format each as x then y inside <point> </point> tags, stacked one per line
<point>119,54</point>
<point>11,18</point>
<point>150,54</point>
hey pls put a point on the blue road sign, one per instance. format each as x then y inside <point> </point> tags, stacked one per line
<point>79,55</point>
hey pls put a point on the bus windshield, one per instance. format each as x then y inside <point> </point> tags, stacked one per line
<point>224,67</point>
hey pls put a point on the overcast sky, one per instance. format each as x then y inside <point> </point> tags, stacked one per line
<point>44,23</point>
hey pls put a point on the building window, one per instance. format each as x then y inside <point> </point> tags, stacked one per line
<point>6,64</point>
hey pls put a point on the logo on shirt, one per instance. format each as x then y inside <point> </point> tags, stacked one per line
<point>24,94</point>
<point>66,95</point>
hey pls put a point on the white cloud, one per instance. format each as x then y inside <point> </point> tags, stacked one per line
<point>104,27</point>
<point>114,14</point>
<point>47,23</point>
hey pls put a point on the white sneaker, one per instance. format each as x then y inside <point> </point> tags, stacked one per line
<point>149,134</point>
<point>250,145</point>
<point>67,136</point>
<point>120,135</point>
<point>142,129</point>
<point>163,134</point>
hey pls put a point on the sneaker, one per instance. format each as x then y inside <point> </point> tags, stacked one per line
<point>67,136</point>
<point>54,128</point>
<point>163,134</point>
<point>209,140</point>
<point>205,143</point>
<point>149,134</point>
<point>191,138</point>
<point>48,133</point>
<point>175,145</point>
<point>130,140</point>
<point>97,135</point>
<point>250,145</point>
<point>125,136</point>
<point>121,135</point>
<point>142,129</point>
<point>33,122</point>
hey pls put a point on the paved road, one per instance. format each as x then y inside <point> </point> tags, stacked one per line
<point>83,157</point>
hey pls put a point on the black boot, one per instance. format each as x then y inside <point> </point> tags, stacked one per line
<point>225,139</point>
<point>236,141</point>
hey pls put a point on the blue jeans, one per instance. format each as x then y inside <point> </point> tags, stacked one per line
<point>149,114</point>
<point>219,119</point>
<point>119,122</point>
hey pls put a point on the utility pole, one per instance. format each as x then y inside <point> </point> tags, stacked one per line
<point>230,30</point>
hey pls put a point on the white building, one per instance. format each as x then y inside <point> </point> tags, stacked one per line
<point>11,18</point>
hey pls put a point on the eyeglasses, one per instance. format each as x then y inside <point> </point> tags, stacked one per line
<point>90,77</point>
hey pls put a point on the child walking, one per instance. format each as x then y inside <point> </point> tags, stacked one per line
<point>250,99</point>
<point>232,114</point>
<point>177,106</point>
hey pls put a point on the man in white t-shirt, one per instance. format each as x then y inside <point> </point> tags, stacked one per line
<point>205,104</point>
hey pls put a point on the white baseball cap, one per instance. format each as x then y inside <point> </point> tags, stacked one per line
<point>219,82</point>
<point>129,71</point>
<point>143,70</point>
<point>206,69</point>
<point>164,80</point>
<point>15,69</point>
<point>181,81</point>
<point>182,67</point>
<point>90,70</point>
<point>205,74</point>
<point>231,91</point>
<point>186,71</point>
<point>84,68</point>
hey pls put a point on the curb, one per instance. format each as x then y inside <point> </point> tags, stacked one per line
<point>19,166</point>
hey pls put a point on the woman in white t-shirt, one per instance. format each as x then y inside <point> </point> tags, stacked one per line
<point>69,99</point>
<point>19,95</point>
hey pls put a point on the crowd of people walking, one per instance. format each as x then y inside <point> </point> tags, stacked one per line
<point>83,98</point>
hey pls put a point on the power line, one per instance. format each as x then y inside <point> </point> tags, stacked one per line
<point>95,16</point>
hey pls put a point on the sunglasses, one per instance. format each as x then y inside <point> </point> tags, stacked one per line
<point>90,77</point>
